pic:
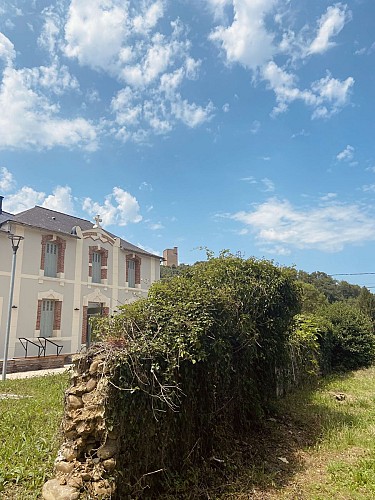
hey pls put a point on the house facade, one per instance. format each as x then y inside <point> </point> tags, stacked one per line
<point>67,269</point>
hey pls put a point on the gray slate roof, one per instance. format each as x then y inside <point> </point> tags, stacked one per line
<point>4,216</point>
<point>58,222</point>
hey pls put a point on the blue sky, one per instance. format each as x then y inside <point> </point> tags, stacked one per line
<point>233,124</point>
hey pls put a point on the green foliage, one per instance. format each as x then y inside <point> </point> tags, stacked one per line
<point>201,354</point>
<point>353,340</point>
<point>334,290</point>
<point>366,303</point>
<point>169,272</point>
<point>312,298</point>
<point>312,335</point>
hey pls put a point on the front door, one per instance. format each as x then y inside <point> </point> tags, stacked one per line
<point>46,318</point>
<point>93,309</point>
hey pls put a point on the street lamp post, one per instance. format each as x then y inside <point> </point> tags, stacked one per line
<point>15,242</point>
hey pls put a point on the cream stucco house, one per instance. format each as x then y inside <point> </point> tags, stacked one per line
<point>67,269</point>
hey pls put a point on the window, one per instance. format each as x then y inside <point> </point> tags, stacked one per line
<point>98,264</point>
<point>133,270</point>
<point>96,267</point>
<point>50,260</point>
<point>131,273</point>
<point>52,255</point>
<point>47,318</point>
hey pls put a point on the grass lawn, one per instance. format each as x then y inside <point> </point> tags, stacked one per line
<point>29,427</point>
<point>318,444</point>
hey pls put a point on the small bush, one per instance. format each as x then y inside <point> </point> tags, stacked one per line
<point>353,340</point>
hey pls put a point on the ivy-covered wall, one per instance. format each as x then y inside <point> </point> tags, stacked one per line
<point>199,359</point>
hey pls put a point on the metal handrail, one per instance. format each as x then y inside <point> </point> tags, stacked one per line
<point>43,342</point>
<point>25,343</point>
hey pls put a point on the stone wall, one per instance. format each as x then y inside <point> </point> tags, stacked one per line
<point>86,462</point>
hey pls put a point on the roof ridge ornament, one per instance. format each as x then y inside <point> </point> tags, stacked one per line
<point>97,220</point>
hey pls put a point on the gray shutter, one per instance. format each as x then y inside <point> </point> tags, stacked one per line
<point>47,317</point>
<point>50,260</point>
<point>96,267</point>
<point>131,273</point>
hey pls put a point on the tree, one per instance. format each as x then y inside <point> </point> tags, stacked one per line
<point>366,302</point>
<point>334,290</point>
<point>353,340</point>
<point>312,298</point>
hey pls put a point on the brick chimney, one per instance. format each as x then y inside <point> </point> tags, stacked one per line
<point>170,256</point>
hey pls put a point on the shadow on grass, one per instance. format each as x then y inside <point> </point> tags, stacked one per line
<point>269,457</point>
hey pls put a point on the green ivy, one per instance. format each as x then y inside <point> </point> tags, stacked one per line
<point>200,356</point>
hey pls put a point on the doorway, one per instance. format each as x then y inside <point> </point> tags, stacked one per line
<point>93,309</point>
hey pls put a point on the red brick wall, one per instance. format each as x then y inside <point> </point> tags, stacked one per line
<point>38,315</point>
<point>84,325</point>
<point>57,315</point>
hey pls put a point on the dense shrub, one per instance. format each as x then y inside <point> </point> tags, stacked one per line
<point>201,359</point>
<point>311,340</point>
<point>353,340</point>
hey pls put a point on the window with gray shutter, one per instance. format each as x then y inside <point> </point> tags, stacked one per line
<point>46,318</point>
<point>50,260</point>
<point>131,273</point>
<point>96,267</point>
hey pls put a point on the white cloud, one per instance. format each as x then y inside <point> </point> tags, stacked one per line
<point>148,17</point>
<point>327,96</point>
<point>23,199</point>
<point>60,200</point>
<point>218,7</point>
<point>249,41</point>
<point>190,113</point>
<point>7,52</point>
<point>332,95</point>
<point>125,41</point>
<point>95,32</point>
<point>269,185</point>
<point>156,226</point>
<point>255,127</point>
<point>329,25</point>
<point>347,154</point>
<point>250,179</point>
<point>327,228</point>
<point>120,207</point>
<point>246,40</point>
<point>329,196</point>
<point>365,50</point>
<point>7,182</point>
<point>49,36</point>
<point>145,186</point>
<point>54,78</point>
<point>29,119</point>
<point>301,133</point>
